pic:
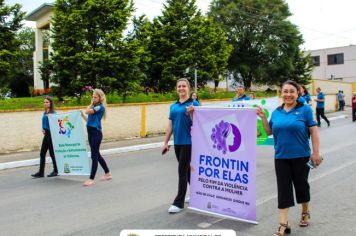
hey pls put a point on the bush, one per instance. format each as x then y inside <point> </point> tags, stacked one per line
<point>112,98</point>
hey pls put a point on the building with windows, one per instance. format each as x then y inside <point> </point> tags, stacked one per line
<point>334,63</point>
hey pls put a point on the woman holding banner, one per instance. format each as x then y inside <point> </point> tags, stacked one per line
<point>47,140</point>
<point>96,111</point>
<point>291,125</point>
<point>180,122</point>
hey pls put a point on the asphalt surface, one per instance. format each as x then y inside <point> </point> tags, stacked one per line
<point>145,184</point>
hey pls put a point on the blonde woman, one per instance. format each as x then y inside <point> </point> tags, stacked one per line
<point>96,111</point>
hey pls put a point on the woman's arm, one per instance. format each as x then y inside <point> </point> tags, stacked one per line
<point>314,133</point>
<point>83,116</point>
<point>261,113</point>
<point>167,137</point>
<point>89,110</point>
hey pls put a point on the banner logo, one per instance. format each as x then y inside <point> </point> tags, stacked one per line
<point>65,126</point>
<point>220,134</point>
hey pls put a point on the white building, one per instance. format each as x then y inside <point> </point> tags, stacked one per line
<point>42,16</point>
<point>334,63</point>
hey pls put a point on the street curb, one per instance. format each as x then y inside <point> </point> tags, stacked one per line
<point>32,162</point>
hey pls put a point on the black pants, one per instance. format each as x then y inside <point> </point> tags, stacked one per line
<point>47,145</point>
<point>320,112</point>
<point>95,136</point>
<point>341,105</point>
<point>183,155</point>
<point>353,114</point>
<point>289,173</point>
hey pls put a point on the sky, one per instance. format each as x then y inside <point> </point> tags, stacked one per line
<point>323,23</point>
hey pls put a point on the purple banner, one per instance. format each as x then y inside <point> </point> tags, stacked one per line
<point>223,175</point>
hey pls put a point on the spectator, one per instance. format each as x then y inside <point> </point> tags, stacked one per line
<point>341,99</point>
<point>240,94</point>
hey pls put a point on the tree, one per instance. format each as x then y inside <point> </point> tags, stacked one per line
<point>266,45</point>
<point>89,48</point>
<point>21,76</point>
<point>182,38</point>
<point>10,22</point>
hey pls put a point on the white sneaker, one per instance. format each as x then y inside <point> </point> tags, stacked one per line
<point>187,200</point>
<point>174,209</point>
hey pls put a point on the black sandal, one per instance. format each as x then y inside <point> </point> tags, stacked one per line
<point>281,232</point>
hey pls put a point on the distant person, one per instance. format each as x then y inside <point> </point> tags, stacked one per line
<point>179,124</point>
<point>354,106</point>
<point>147,90</point>
<point>96,111</point>
<point>195,97</point>
<point>320,107</point>
<point>47,140</point>
<point>252,96</point>
<point>240,94</point>
<point>292,124</point>
<point>341,99</point>
<point>305,94</point>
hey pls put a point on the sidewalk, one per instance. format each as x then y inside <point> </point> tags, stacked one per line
<point>32,158</point>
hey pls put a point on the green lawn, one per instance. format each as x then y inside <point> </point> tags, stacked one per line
<point>36,103</point>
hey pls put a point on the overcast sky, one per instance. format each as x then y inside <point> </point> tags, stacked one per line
<point>323,23</point>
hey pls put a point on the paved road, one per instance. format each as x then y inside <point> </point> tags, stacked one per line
<point>144,185</point>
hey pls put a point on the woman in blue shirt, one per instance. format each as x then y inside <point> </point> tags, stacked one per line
<point>291,125</point>
<point>179,125</point>
<point>47,140</point>
<point>240,94</point>
<point>305,94</point>
<point>96,111</point>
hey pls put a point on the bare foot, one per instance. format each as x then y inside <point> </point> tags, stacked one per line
<point>107,177</point>
<point>88,183</point>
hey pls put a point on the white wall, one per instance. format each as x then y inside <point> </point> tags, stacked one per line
<point>346,71</point>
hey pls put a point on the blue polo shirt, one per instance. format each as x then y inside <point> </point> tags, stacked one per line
<point>244,97</point>
<point>181,121</point>
<point>340,96</point>
<point>45,121</point>
<point>307,97</point>
<point>291,131</point>
<point>320,104</point>
<point>94,120</point>
<point>301,99</point>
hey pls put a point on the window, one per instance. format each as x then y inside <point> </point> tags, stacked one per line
<point>315,60</point>
<point>334,59</point>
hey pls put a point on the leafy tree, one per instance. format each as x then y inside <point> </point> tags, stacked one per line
<point>89,48</point>
<point>182,38</point>
<point>10,22</point>
<point>265,43</point>
<point>21,76</point>
<point>140,36</point>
